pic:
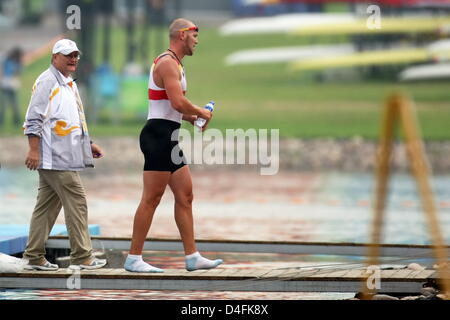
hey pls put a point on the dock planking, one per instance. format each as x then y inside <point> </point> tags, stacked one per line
<point>332,278</point>
<point>288,247</point>
<point>221,279</point>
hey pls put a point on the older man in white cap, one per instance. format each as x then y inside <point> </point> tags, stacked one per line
<point>59,147</point>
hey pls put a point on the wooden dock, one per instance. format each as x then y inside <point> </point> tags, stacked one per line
<point>220,279</point>
<point>331,278</point>
<point>289,247</point>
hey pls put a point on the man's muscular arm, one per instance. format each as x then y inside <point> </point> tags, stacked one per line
<point>170,76</point>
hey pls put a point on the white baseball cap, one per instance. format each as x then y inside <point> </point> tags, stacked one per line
<point>65,46</point>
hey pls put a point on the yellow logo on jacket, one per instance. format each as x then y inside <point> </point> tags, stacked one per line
<point>61,130</point>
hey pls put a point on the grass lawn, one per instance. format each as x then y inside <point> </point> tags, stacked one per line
<point>271,96</point>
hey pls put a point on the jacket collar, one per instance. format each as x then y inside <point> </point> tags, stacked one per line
<point>58,76</point>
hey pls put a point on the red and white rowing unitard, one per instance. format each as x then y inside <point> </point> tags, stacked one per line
<point>159,106</point>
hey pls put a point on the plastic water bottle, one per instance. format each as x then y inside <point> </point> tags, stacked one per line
<point>200,122</point>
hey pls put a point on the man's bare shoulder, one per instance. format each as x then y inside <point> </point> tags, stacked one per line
<point>166,63</point>
<point>166,68</point>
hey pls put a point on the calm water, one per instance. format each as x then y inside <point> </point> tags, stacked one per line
<point>291,206</point>
<point>313,207</point>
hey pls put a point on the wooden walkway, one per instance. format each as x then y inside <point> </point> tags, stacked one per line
<point>291,247</point>
<point>226,278</point>
<point>220,279</point>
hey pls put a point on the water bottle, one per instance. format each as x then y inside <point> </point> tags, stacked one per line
<point>200,122</point>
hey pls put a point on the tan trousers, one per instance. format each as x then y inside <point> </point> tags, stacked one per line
<point>59,189</point>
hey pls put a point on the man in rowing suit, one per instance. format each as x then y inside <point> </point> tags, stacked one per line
<point>167,107</point>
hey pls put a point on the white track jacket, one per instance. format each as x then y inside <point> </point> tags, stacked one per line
<point>56,115</point>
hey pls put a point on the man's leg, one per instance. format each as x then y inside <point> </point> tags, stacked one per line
<point>73,198</point>
<point>155,183</point>
<point>46,211</point>
<point>181,184</point>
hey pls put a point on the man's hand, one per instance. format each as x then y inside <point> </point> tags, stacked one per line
<point>96,151</point>
<point>32,160</point>
<point>190,118</point>
<point>207,115</point>
<point>33,157</point>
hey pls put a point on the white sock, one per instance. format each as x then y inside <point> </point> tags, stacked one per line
<point>195,261</point>
<point>193,255</point>
<point>135,263</point>
<point>135,256</point>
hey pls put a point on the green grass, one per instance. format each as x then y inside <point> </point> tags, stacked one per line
<point>271,96</point>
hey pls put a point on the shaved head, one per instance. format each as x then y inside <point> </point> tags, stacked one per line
<point>178,24</point>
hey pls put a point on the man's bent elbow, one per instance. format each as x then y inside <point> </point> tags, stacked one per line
<point>178,105</point>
